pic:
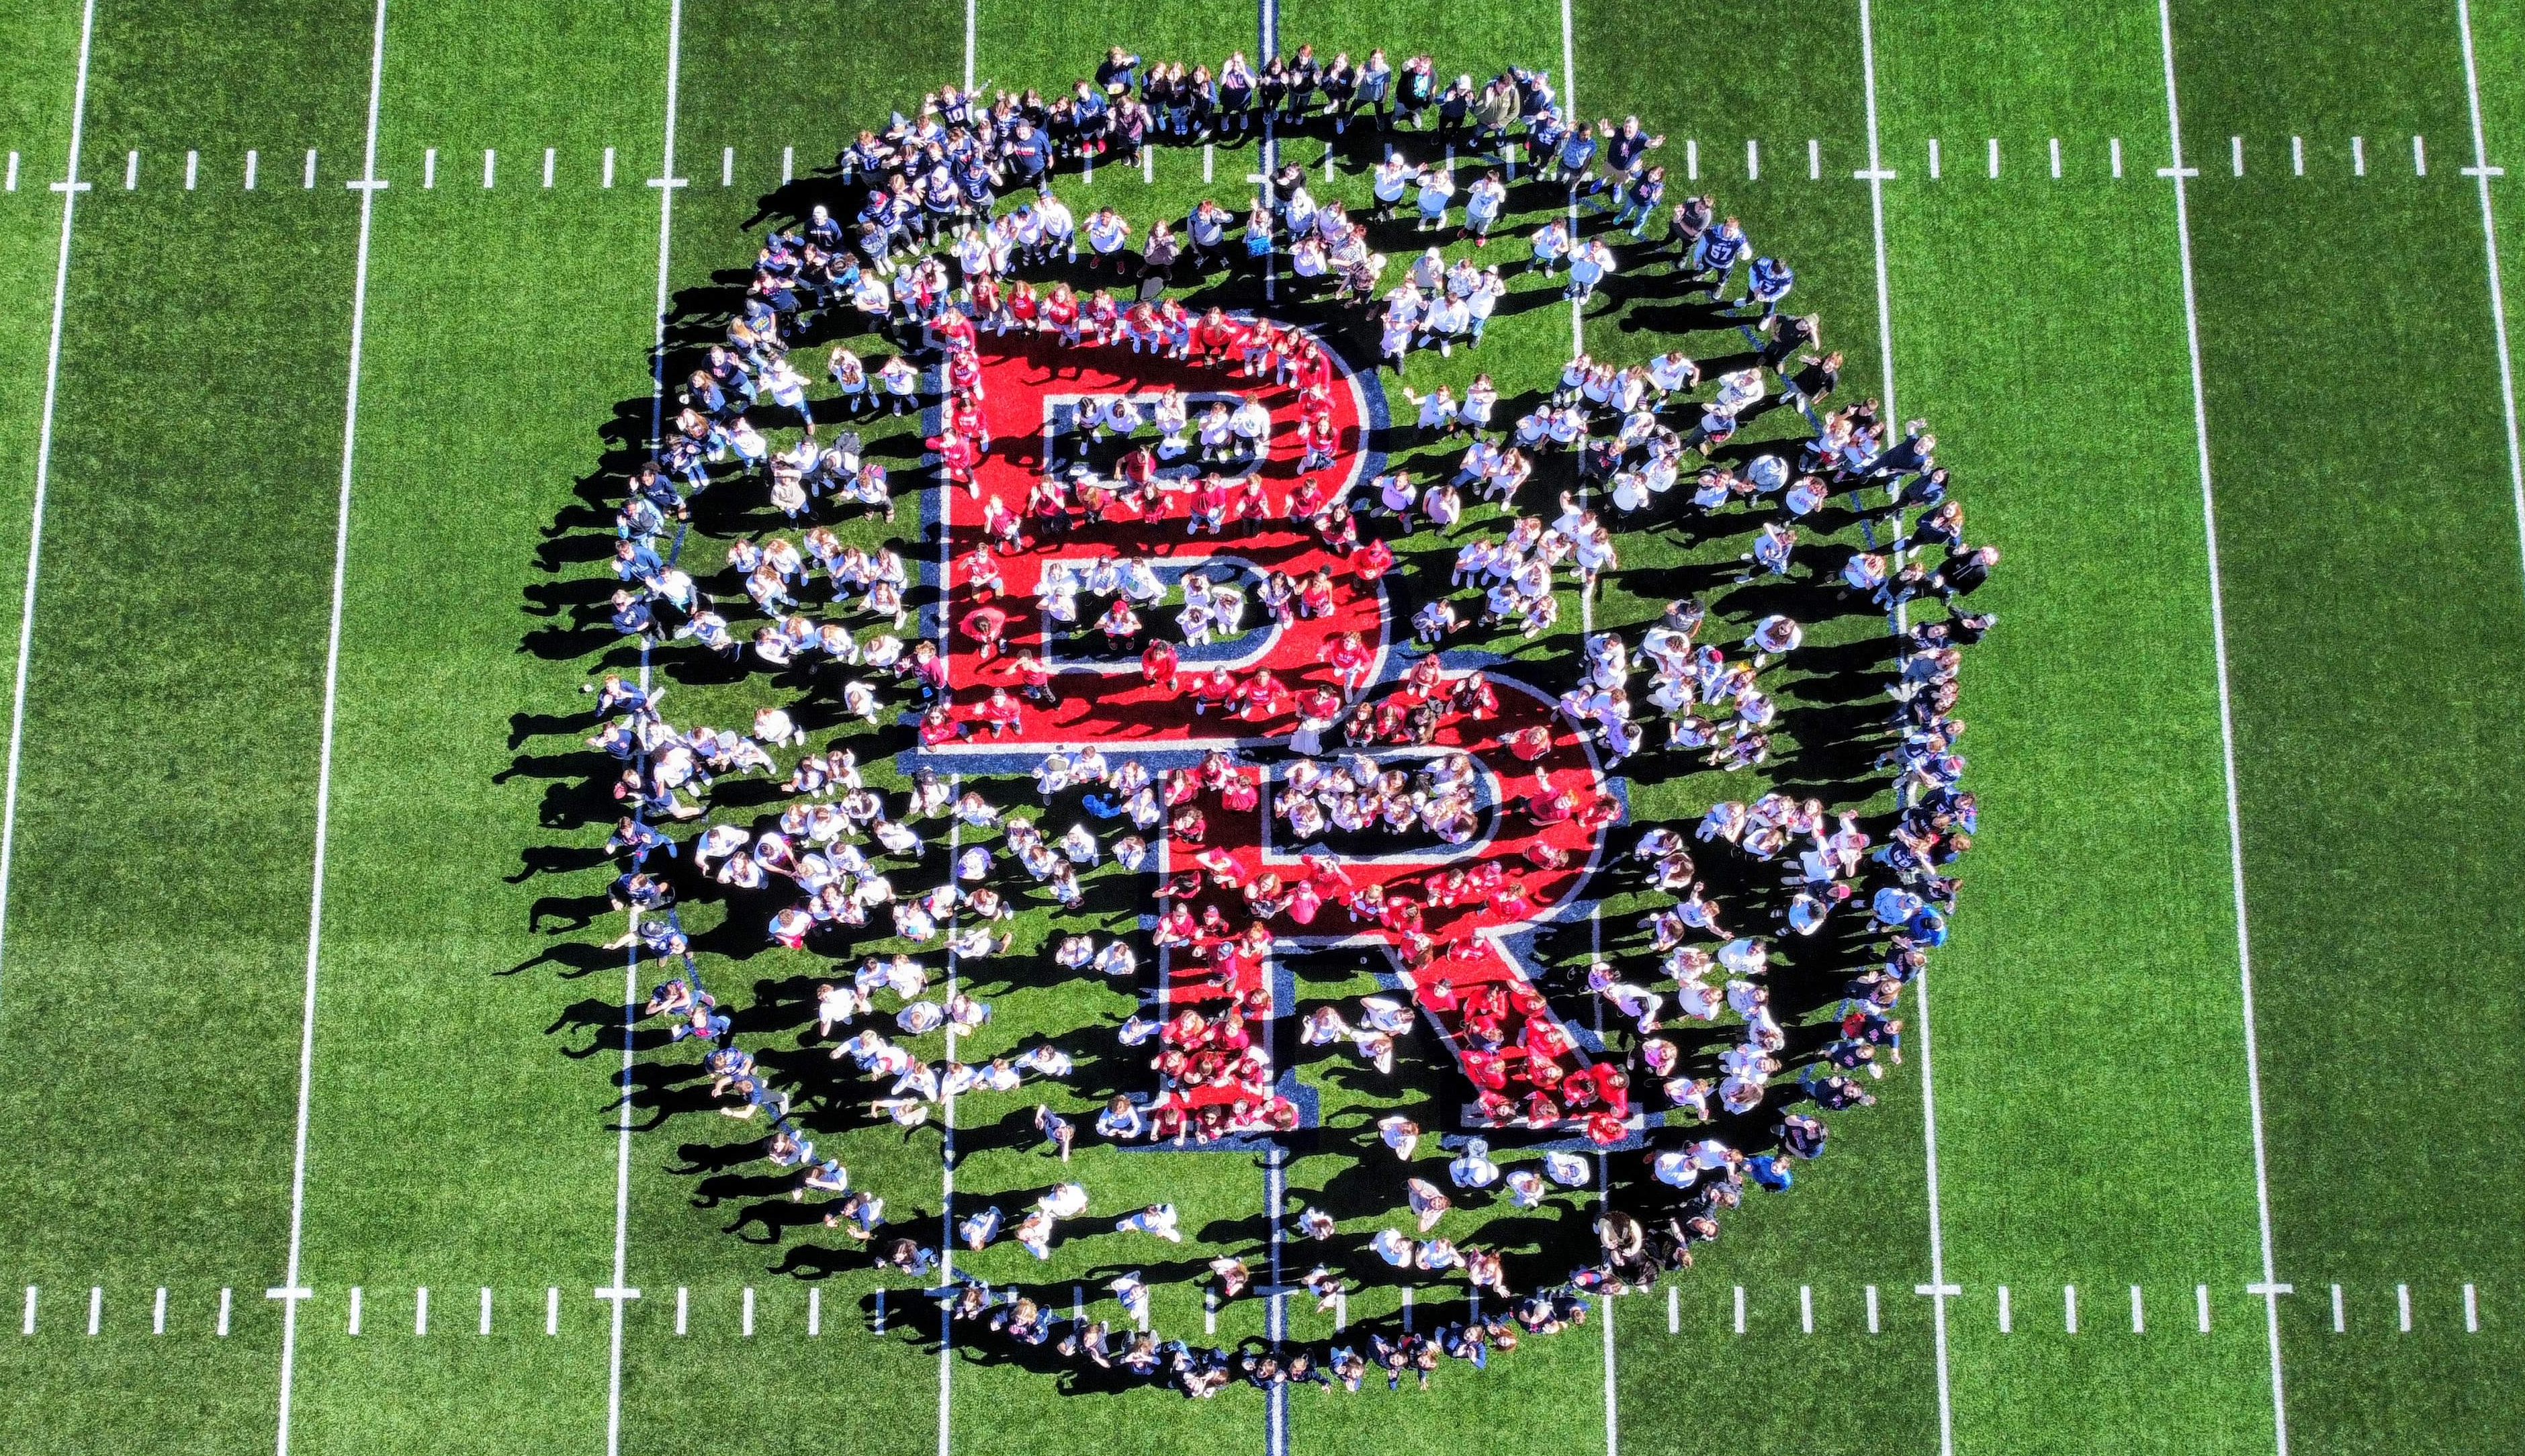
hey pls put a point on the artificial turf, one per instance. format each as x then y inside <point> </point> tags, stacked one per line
<point>2090,1058</point>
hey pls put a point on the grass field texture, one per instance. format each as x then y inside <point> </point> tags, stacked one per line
<point>2299,762</point>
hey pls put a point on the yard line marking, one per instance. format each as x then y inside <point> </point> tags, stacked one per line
<point>621,1291</point>
<point>293,1290</point>
<point>608,166</point>
<point>1740,1309</point>
<point>881,1310</point>
<point>1994,158</point>
<point>2419,157</point>
<point>309,183</point>
<point>727,166</point>
<point>228,1301</point>
<point>1078,1305</point>
<point>746,1326</point>
<point>2357,156</point>
<point>2271,1288</point>
<point>352,1326</point>
<point>43,477</point>
<point>2481,171</point>
<point>2117,159</point>
<point>157,1313</point>
<point>549,153</point>
<point>2403,1304</point>
<point>2139,1320</point>
<point>1578,346</point>
<point>192,170</point>
<point>814,1311</point>
<point>1814,160</point>
<point>2236,154</point>
<point>788,163</point>
<point>683,1308</point>
<point>2296,155</point>
<point>1673,1310</point>
<point>971,26</point>
<point>486,1310</point>
<point>1208,161</point>
<point>1752,159</point>
<point>1928,1082</point>
<point>2055,158</point>
<point>2471,1312</point>
<point>430,168</point>
<point>130,169</point>
<point>2004,1320</point>
<point>947,1105</point>
<point>1806,1308</point>
<point>2069,1308</point>
<point>2201,1301</point>
<point>1934,172</point>
<point>1209,1314</point>
<point>1341,1312</point>
<point>552,1309</point>
<point>251,158</point>
<point>420,1311</point>
<point>490,166</point>
<point>95,1307</point>
<point>2340,1321</point>
<point>1691,160</point>
<point>1407,1309</point>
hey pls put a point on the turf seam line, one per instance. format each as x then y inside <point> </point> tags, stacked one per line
<point>43,478</point>
<point>2226,739</point>
<point>2481,171</point>
<point>292,1292</point>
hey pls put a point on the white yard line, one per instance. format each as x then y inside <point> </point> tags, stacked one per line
<point>1938,1289</point>
<point>2271,1288</point>
<point>69,187</point>
<point>1587,625</point>
<point>2481,171</point>
<point>1577,306</point>
<point>947,1127</point>
<point>291,1291</point>
<point>619,1292</point>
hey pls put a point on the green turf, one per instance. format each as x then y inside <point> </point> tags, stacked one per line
<point>2089,1068</point>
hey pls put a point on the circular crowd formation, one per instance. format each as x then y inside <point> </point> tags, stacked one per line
<point>1170,539</point>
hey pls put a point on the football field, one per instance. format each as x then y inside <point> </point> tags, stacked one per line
<point>327,338</point>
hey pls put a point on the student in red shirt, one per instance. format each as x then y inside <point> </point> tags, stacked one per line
<point>1035,681</point>
<point>1001,713</point>
<point>1350,661</point>
<point>1371,562</point>
<point>985,624</point>
<point>1157,666</point>
<point>1316,596</point>
<point>1252,504</point>
<point>1261,696</point>
<point>1214,689</point>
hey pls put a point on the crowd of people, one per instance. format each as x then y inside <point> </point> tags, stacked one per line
<point>957,209</point>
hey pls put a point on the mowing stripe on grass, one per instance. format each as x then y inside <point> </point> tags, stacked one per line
<point>2270,1287</point>
<point>69,187</point>
<point>290,1292</point>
